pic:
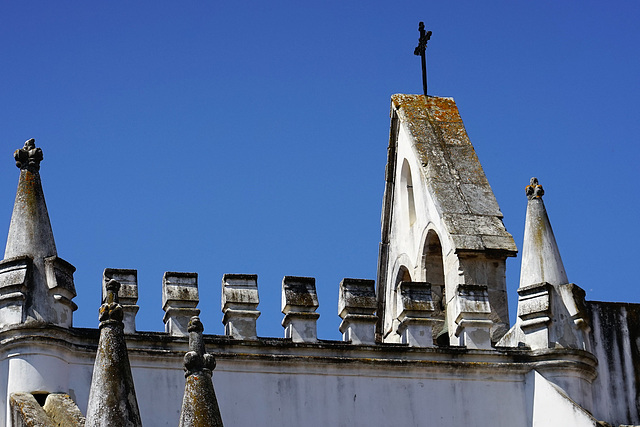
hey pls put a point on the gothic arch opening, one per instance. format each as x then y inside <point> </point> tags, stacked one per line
<point>433,266</point>
<point>432,260</point>
<point>402,276</point>
<point>406,188</point>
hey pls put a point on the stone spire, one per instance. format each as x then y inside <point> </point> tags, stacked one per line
<point>551,311</point>
<point>541,261</point>
<point>199,406</point>
<point>30,230</point>
<point>35,285</point>
<point>112,398</point>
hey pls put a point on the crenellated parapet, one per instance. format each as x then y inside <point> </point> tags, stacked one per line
<point>357,306</point>
<point>472,314</point>
<point>299,305</point>
<point>416,309</point>
<point>179,301</point>
<point>240,305</point>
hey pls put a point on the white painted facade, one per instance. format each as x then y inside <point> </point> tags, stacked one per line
<point>323,384</point>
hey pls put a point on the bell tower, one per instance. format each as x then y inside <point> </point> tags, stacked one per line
<point>441,227</point>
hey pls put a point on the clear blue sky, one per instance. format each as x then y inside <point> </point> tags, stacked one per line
<point>250,137</point>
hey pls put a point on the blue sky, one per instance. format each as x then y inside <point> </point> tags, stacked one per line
<point>250,137</point>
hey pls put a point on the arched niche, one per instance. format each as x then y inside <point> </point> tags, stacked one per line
<point>406,190</point>
<point>403,275</point>
<point>433,272</point>
<point>432,261</point>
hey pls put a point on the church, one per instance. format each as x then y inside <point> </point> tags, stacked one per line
<point>427,343</point>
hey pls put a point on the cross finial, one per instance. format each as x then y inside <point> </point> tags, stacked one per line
<point>421,50</point>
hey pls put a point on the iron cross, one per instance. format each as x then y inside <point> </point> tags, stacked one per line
<point>421,50</point>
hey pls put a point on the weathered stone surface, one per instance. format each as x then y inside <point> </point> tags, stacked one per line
<point>452,170</point>
<point>63,411</point>
<point>199,405</point>
<point>541,261</point>
<point>534,301</point>
<point>473,316</point>
<point>128,294</point>
<point>179,301</point>
<point>415,297</point>
<point>239,304</point>
<point>30,230</point>
<point>299,303</point>
<point>481,201</point>
<point>15,274</point>
<point>112,398</point>
<point>128,279</point>
<point>615,338</point>
<point>59,275</point>
<point>356,306</point>
<point>416,309</point>
<point>27,412</point>
<point>299,292</point>
<point>356,296</point>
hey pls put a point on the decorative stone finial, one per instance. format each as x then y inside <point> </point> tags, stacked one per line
<point>112,397</point>
<point>127,294</point>
<point>196,360</point>
<point>534,190</point>
<point>199,405</point>
<point>28,157</point>
<point>111,310</point>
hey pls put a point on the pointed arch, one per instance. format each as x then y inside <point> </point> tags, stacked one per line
<point>432,261</point>
<point>406,190</point>
<point>391,322</point>
<point>433,273</point>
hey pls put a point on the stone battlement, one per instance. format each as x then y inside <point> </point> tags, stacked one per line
<point>357,307</point>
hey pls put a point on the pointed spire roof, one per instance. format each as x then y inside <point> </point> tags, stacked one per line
<point>541,261</point>
<point>199,405</point>
<point>112,398</point>
<point>48,289</point>
<point>30,230</point>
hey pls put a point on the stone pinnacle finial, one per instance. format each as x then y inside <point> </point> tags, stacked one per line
<point>199,405</point>
<point>112,397</point>
<point>196,360</point>
<point>111,309</point>
<point>28,157</point>
<point>534,190</point>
